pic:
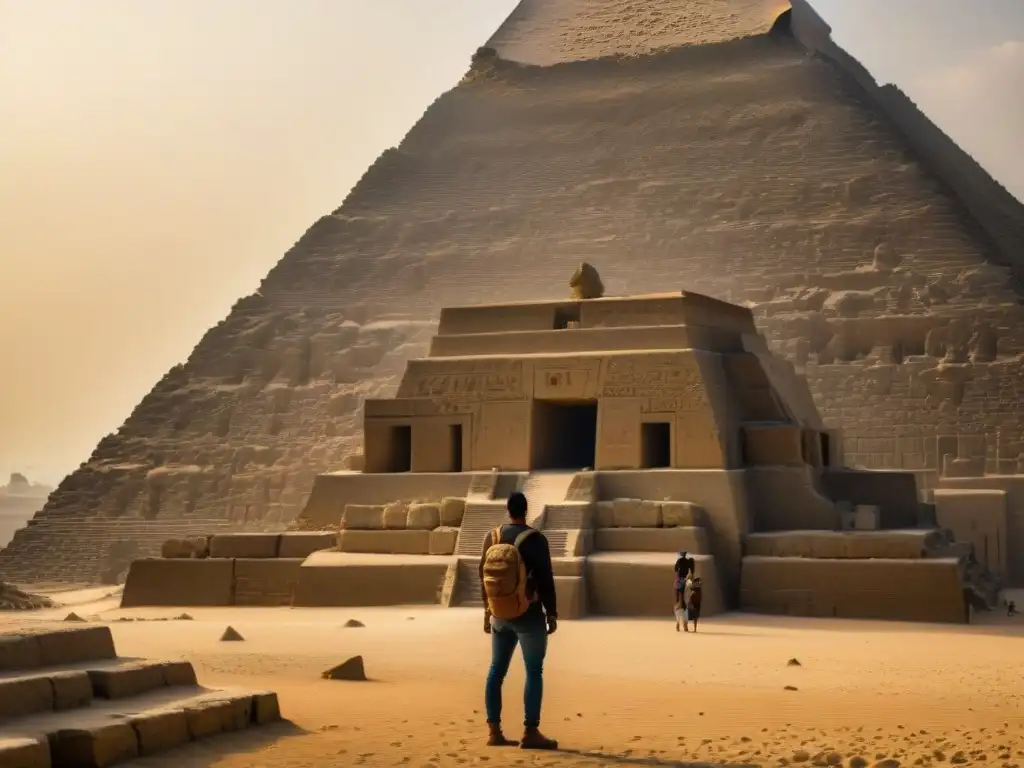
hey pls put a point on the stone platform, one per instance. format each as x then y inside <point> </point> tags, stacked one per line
<point>66,699</point>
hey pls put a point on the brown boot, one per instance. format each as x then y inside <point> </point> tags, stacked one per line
<point>534,739</point>
<point>496,738</point>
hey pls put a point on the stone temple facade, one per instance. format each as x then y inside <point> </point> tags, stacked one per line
<point>718,146</point>
<point>637,427</point>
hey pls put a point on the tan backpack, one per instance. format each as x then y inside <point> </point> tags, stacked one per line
<point>505,577</point>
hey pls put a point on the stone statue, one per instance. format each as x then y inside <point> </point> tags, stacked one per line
<point>586,283</point>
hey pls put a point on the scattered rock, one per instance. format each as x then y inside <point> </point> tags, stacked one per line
<point>888,762</point>
<point>352,669</point>
<point>790,688</point>
<point>14,599</point>
<point>801,756</point>
<point>73,617</point>
<point>352,623</point>
<point>231,635</point>
<point>833,758</point>
<point>183,617</point>
<point>858,762</point>
<point>958,758</point>
<point>794,663</point>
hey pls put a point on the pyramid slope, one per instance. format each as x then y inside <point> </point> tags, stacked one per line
<point>747,170</point>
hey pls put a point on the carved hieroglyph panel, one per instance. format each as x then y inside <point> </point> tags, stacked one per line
<point>469,381</point>
<point>615,315</point>
<point>618,434</point>
<point>664,383</point>
<point>565,384</point>
<point>501,436</point>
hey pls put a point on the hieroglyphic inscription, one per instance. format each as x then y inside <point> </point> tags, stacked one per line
<point>571,382</point>
<point>479,380</point>
<point>664,383</point>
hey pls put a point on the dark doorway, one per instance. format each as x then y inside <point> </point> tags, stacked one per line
<point>655,444</point>
<point>400,443</point>
<point>455,448</point>
<point>826,454</point>
<point>567,317</point>
<point>564,434</point>
<point>783,26</point>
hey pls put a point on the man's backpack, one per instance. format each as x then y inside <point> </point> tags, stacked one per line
<point>505,577</point>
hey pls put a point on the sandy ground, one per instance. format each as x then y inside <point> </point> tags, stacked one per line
<point>617,692</point>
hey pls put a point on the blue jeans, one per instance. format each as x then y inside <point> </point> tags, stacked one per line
<point>530,633</point>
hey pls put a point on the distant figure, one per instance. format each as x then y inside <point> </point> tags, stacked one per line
<point>1011,608</point>
<point>684,568</point>
<point>693,598</point>
<point>519,595</point>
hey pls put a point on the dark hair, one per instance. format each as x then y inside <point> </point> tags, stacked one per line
<point>516,505</point>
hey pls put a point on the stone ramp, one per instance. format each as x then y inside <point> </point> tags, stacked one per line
<point>66,699</point>
<point>543,489</point>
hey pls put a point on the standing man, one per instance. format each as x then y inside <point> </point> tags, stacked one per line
<point>519,609</point>
<point>684,569</point>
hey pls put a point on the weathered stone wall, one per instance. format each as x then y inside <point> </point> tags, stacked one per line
<point>746,170</point>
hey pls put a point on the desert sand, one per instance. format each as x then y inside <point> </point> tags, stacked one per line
<point>617,692</point>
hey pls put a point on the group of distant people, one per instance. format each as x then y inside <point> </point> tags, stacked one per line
<point>520,608</point>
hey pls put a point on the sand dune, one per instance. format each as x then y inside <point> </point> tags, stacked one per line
<point>618,693</point>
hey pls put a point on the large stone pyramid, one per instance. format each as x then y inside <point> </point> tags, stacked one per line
<point>711,145</point>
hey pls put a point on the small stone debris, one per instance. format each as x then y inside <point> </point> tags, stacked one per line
<point>353,623</point>
<point>183,617</point>
<point>794,663</point>
<point>790,688</point>
<point>352,669</point>
<point>231,635</point>
<point>73,617</point>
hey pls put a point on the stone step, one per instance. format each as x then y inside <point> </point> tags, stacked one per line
<point>53,648</point>
<point>64,688</point>
<point>110,732</point>
<point>477,522</point>
<point>468,591</point>
<point>557,542</point>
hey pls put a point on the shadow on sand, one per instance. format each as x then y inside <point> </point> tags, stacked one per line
<point>612,760</point>
<point>208,752</point>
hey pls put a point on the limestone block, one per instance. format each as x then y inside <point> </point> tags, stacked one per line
<point>25,752</point>
<point>568,566</point>
<point>604,514</point>
<point>266,582</point>
<point>265,708</point>
<point>70,646</point>
<point>838,544</point>
<point>153,581</point>
<point>363,517</point>
<point>71,690</point>
<point>197,546</point>
<point>305,543</point>
<point>354,462</point>
<point>572,597</point>
<point>127,680</point>
<point>19,652</point>
<point>442,540</point>
<point>866,517</point>
<point>682,514</point>
<point>100,745</point>
<point>22,696</point>
<point>452,510</point>
<point>161,730</point>
<point>636,513</point>
<point>385,542</point>
<point>690,539</point>
<point>332,579</point>
<point>395,515</point>
<point>179,673</point>
<point>244,545</point>
<point>221,715</point>
<point>424,517</point>
<point>626,584</point>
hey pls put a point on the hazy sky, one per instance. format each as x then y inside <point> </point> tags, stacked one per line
<point>157,157</point>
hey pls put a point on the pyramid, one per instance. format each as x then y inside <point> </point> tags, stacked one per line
<point>727,147</point>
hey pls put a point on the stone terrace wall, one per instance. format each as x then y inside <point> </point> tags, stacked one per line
<point>747,170</point>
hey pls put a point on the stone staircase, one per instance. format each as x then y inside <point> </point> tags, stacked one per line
<point>468,592</point>
<point>479,519</point>
<point>543,489</point>
<point>66,699</point>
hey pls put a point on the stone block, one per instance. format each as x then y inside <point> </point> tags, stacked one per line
<point>19,652</point>
<point>197,546</point>
<point>424,517</point>
<point>302,544</point>
<point>23,696</point>
<point>179,673</point>
<point>153,581</point>
<point>265,708</point>
<point>70,646</point>
<point>126,681</point>
<point>452,511</point>
<point>95,747</point>
<point>442,541</point>
<point>850,545</point>
<point>363,517</point>
<point>568,566</point>
<point>637,513</point>
<point>640,584</point>
<point>266,582</point>
<point>604,514</point>
<point>681,514</point>
<point>249,545</point>
<point>71,690</point>
<point>385,542</point>
<point>221,715</point>
<point>572,597</point>
<point>691,539</point>
<point>866,517</point>
<point>160,730</point>
<point>395,515</point>
<point>335,579</point>
<point>25,752</point>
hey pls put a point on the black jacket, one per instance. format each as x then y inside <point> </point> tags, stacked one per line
<point>536,557</point>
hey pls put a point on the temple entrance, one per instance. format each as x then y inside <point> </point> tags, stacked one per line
<point>400,453</point>
<point>655,445</point>
<point>455,448</point>
<point>564,434</point>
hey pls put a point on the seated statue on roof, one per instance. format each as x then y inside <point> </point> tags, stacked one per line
<point>586,283</point>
